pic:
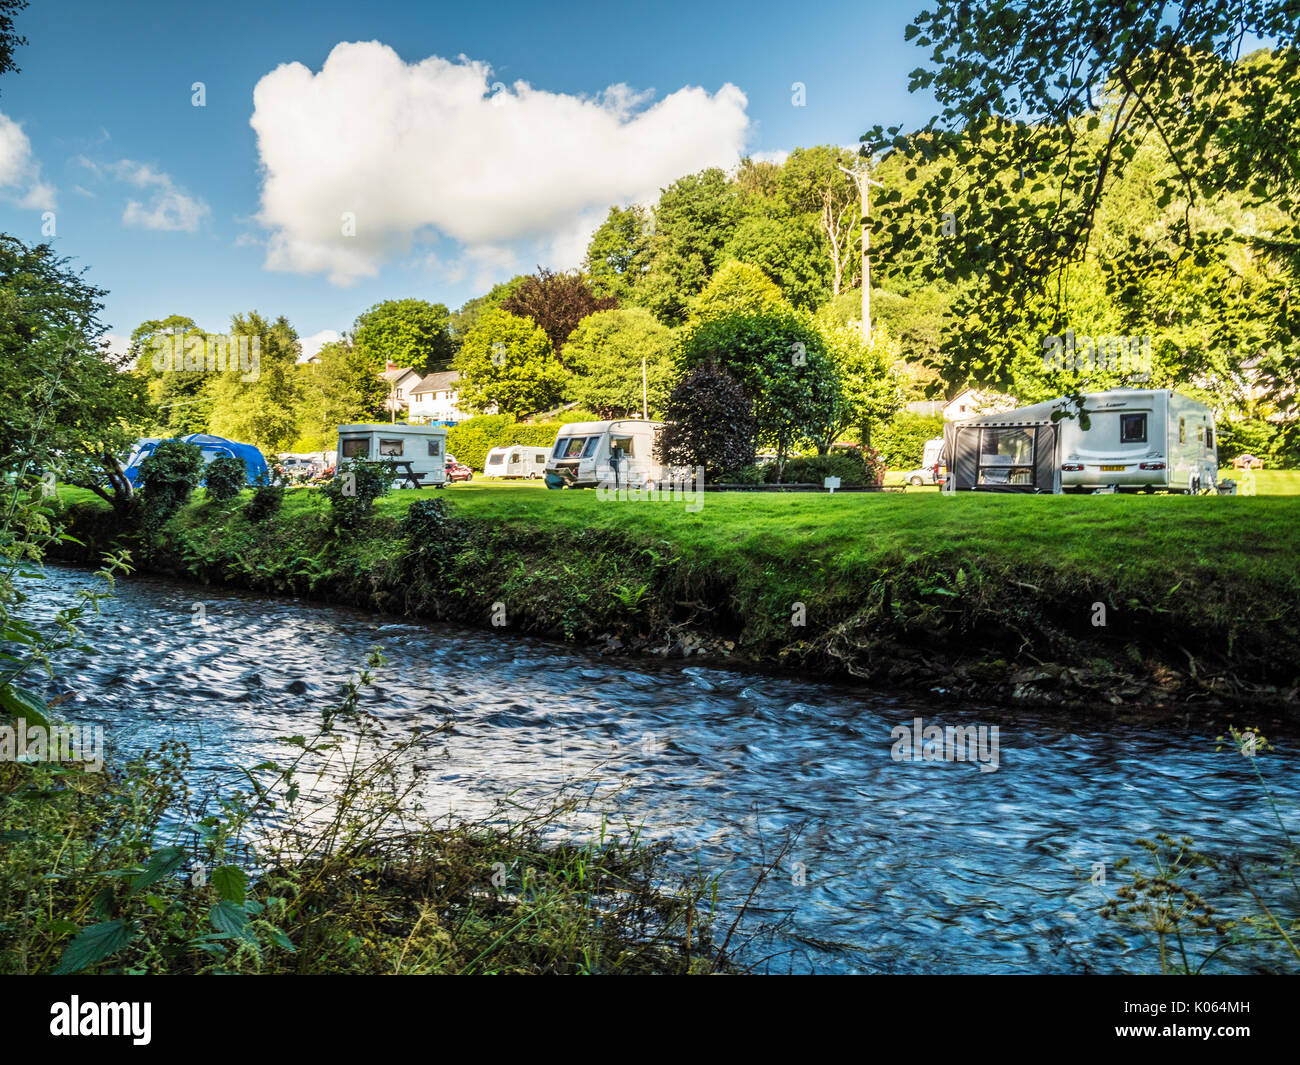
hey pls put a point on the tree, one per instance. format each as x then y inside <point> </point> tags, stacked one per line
<point>556,303</point>
<point>606,353</point>
<point>61,386</point>
<point>710,423</point>
<point>738,288</point>
<point>507,363</point>
<point>618,254</point>
<point>410,332</point>
<point>10,41</point>
<point>781,360</point>
<point>340,389</point>
<point>693,221</point>
<point>1018,166</point>
<point>871,389</point>
<point>179,396</point>
<point>263,410</point>
<point>467,317</point>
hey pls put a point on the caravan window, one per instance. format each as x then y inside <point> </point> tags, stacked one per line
<point>390,447</point>
<point>1006,456</point>
<point>496,460</point>
<point>514,457</point>
<point>435,448</point>
<point>356,448</point>
<point>573,447</point>
<point>1182,431</point>
<point>1209,437</point>
<point>539,458</point>
<point>625,442</point>
<point>1132,428</point>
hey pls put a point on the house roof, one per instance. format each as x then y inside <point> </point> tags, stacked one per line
<point>396,375</point>
<point>437,382</point>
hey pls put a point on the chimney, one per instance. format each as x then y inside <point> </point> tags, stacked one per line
<point>390,365</point>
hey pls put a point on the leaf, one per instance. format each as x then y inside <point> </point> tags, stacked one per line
<point>96,943</point>
<point>24,704</point>
<point>230,882</point>
<point>162,862</point>
<point>227,917</point>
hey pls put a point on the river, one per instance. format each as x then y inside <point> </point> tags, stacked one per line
<point>900,866</point>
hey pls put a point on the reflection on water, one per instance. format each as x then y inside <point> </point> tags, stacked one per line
<point>899,866</point>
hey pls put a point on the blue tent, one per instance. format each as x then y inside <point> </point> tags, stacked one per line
<point>213,447</point>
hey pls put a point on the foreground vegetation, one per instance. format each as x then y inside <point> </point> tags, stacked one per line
<point>1088,600</point>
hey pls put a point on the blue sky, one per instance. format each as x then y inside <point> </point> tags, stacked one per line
<point>454,175</point>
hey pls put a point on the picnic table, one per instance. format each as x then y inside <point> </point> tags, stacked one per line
<point>407,473</point>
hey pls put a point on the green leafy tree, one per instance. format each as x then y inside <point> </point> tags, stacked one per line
<point>737,288</point>
<point>507,363</point>
<point>606,353</point>
<point>410,332</point>
<point>463,320</point>
<point>1017,170</point>
<point>619,253</point>
<point>225,477</point>
<point>9,40</point>
<point>782,360</point>
<point>340,389</point>
<point>180,397</point>
<point>58,375</point>
<point>693,222</point>
<point>167,479</point>
<point>263,411</point>
<point>871,389</point>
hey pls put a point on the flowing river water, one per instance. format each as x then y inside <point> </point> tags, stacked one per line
<point>896,866</point>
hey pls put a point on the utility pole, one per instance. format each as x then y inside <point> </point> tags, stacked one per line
<point>645,404</point>
<point>861,175</point>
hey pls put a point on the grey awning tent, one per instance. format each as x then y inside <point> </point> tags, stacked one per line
<point>1010,452</point>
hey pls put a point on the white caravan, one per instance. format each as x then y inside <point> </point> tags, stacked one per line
<point>618,453</point>
<point>1136,439</point>
<point>517,461</point>
<point>423,446</point>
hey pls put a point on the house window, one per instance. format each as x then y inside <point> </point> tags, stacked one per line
<point>356,448</point>
<point>435,448</point>
<point>1132,428</point>
<point>1006,456</point>
<point>399,393</point>
<point>390,447</point>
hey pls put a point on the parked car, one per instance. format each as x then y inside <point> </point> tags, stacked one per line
<point>457,470</point>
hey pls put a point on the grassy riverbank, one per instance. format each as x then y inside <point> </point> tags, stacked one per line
<point>1085,600</point>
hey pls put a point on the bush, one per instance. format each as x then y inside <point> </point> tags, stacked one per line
<point>902,441</point>
<point>753,474</point>
<point>354,489</point>
<point>710,423</point>
<point>852,471</point>
<point>265,502</point>
<point>167,477</point>
<point>1255,436</point>
<point>226,477</point>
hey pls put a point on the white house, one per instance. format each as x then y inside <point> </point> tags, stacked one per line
<point>401,380</point>
<point>434,399</point>
<point>970,403</point>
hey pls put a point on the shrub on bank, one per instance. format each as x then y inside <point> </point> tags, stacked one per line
<point>851,469</point>
<point>354,489</point>
<point>901,442</point>
<point>167,478</point>
<point>225,477</point>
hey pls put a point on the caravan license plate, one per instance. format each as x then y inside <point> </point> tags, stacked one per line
<point>1112,469</point>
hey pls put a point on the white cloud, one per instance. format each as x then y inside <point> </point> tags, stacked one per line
<point>776,155</point>
<point>312,344</point>
<point>20,173</point>
<point>438,147</point>
<point>169,206</point>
